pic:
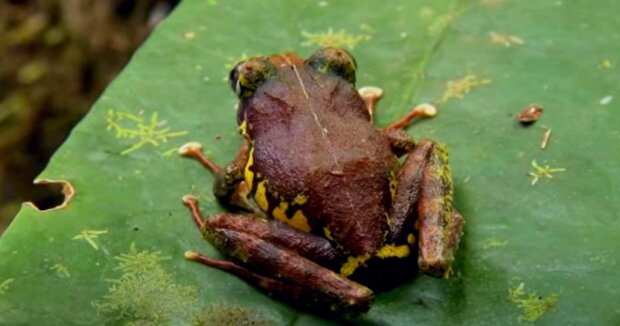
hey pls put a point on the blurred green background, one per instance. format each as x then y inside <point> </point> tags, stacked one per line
<point>56,57</point>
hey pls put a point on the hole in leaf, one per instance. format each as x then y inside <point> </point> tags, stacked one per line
<point>51,195</point>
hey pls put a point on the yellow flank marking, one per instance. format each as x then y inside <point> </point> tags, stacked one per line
<point>543,172</point>
<point>459,88</point>
<point>352,264</point>
<point>388,251</point>
<point>328,233</point>
<point>300,199</point>
<point>279,213</point>
<point>505,39</point>
<point>299,221</point>
<point>261,196</point>
<point>411,239</point>
<point>393,185</point>
<point>153,132</point>
<point>340,39</point>
<point>243,128</point>
<point>247,173</point>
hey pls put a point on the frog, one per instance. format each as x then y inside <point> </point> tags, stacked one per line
<point>316,191</point>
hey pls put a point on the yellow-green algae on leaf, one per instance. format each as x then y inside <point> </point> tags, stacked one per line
<point>90,236</point>
<point>222,314</point>
<point>154,132</point>
<point>533,305</point>
<point>4,286</point>
<point>146,292</point>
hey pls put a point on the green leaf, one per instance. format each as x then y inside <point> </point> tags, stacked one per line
<point>544,253</point>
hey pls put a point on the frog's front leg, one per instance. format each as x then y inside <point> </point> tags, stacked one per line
<point>279,259</point>
<point>371,95</point>
<point>424,191</point>
<point>229,186</point>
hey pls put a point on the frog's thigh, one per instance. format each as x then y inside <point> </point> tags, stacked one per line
<point>408,186</point>
<point>439,225</point>
<point>308,245</point>
<point>261,257</point>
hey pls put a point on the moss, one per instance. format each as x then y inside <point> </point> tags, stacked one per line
<point>146,293</point>
<point>533,305</point>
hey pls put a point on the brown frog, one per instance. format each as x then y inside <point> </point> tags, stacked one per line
<point>324,187</point>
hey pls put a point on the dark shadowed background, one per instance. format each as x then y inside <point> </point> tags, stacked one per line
<point>56,57</point>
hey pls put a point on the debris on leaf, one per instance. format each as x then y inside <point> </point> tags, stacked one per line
<point>606,100</point>
<point>505,39</point>
<point>533,305</point>
<point>530,114</point>
<point>545,139</point>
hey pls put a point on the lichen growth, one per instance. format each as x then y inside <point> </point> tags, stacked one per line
<point>154,132</point>
<point>341,39</point>
<point>90,236</point>
<point>533,305</point>
<point>459,88</point>
<point>146,293</point>
<point>221,314</point>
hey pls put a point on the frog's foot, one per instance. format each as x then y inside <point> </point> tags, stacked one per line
<point>424,189</point>
<point>194,150</point>
<point>423,111</point>
<point>283,259</point>
<point>371,95</point>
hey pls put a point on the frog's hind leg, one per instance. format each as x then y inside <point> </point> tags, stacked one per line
<point>424,190</point>
<point>284,261</point>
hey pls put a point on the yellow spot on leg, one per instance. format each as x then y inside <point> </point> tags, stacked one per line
<point>352,264</point>
<point>389,251</point>
<point>411,239</point>
<point>261,196</point>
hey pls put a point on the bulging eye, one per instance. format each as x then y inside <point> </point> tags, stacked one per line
<point>246,76</point>
<point>334,61</point>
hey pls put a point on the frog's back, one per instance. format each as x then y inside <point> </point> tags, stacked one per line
<point>319,157</point>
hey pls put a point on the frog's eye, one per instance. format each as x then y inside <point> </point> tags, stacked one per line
<point>335,61</point>
<point>246,76</point>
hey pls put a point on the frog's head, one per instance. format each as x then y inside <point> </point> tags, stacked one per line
<point>247,76</point>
